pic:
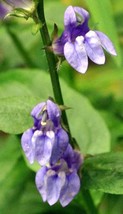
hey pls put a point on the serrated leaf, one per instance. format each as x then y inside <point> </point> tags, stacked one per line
<point>104,172</point>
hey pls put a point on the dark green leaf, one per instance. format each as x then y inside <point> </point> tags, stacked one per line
<point>9,153</point>
<point>12,186</point>
<point>104,172</point>
<point>13,174</point>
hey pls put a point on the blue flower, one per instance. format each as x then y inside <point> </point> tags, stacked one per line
<point>47,140</point>
<point>60,181</point>
<point>78,42</point>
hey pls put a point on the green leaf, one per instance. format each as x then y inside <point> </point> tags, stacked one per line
<point>86,125</point>
<point>15,113</point>
<point>104,172</point>
<point>112,204</point>
<point>9,154</point>
<point>13,172</point>
<point>102,13</point>
<point>12,186</point>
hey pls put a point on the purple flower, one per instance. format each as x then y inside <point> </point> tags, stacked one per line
<point>4,9</point>
<point>47,140</point>
<point>78,42</point>
<point>8,5</point>
<point>60,181</point>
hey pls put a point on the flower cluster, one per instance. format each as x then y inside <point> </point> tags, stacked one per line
<point>78,42</point>
<point>48,143</point>
<point>6,6</point>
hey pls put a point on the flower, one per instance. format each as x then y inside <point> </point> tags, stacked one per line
<point>47,140</point>
<point>48,143</point>
<point>78,42</point>
<point>4,9</point>
<point>60,181</point>
<point>6,6</point>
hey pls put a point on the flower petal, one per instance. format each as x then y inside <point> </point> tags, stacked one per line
<point>82,12</point>
<point>93,48</point>
<point>20,3</point>
<point>60,145</point>
<point>4,9</point>
<point>70,189</point>
<point>69,16</point>
<point>43,147</point>
<point>54,112</point>
<point>54,185</point>
<point>37,110</point>
<point>40,182</point>
<point>106,43</point>
<point>75,54</point>
<point>26,142</point>
<point>73,158</point>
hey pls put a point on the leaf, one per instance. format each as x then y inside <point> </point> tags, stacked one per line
<point>86,125</point>
<point>104,172</point>
<point>9,154</point>
<point>102,14</point>
<point>15,113</point>
<point>13,172</point>
<point>12,186</point>
<point>112,204</point>
<point>14,88</point>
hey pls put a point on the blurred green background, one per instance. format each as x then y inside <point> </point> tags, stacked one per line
<point>102,85</point>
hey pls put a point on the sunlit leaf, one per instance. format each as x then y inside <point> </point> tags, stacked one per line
<point>15,113</point>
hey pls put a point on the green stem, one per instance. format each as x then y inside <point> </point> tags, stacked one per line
<point>20,47</point>
<point>52,63</point>
<point>88,201</point>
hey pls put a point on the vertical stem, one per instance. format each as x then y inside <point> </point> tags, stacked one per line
<point>52,63</point>
<point>89,204</point>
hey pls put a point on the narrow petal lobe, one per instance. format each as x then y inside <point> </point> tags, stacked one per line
<point>93,48</point>
<point>75,54</point>
<point>106,43</point>
<point>69,16</point>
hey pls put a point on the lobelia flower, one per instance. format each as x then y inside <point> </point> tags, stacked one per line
<point>60,181</point>
<point>6,6</point>
<point>47,140</point>
<point>78,42</point>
